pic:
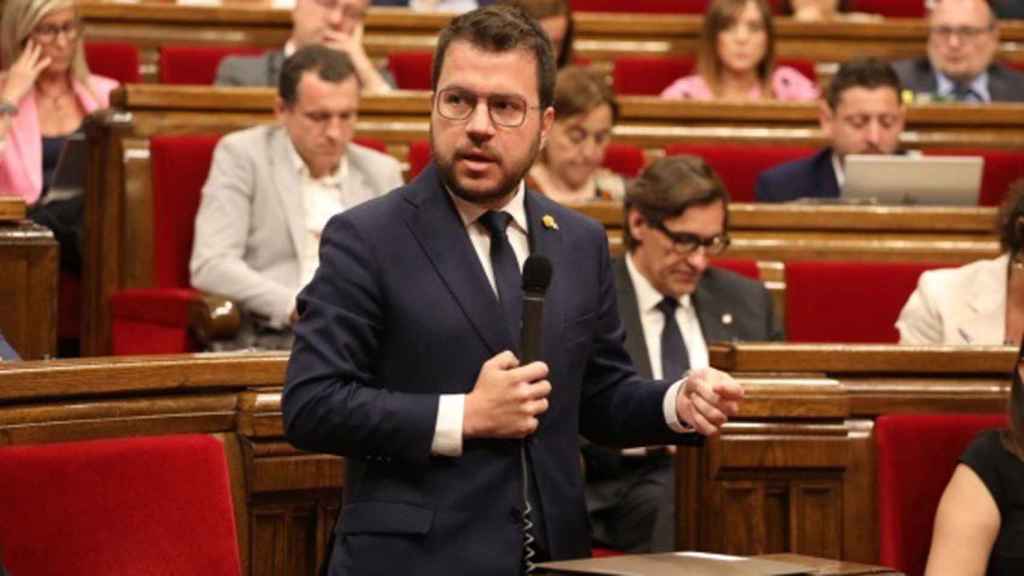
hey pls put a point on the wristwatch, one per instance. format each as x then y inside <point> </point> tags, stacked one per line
<point>8,109</point>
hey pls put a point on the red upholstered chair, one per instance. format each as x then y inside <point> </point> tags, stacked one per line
<point>196,64</point>
<point>916,455</point>
<point>411,70</point>
<point>1002,167</point>
<point>648,75</point>
<point>373,143</point>
<point>641,6</point>
<point>847,301</point>
<point>142,506</point>
<point>419,157</point>
<point>157,319</point>
<point>739,164</point>
<point>746,268</point>
<point>117,60</point>
<point>890,8</point>
<point>625,159</point>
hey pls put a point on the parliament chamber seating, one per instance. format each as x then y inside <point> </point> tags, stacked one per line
<point>181,64</point>
<point>891,8</point>
<point>160,318</point>
<point>739,164</point>
<point>117,60</point>
<point>847,301</point>
<point>641,6</point>
<point>411,70</point>
<point>144,506</point>
<point>916,456</point>
<point>650,75</point>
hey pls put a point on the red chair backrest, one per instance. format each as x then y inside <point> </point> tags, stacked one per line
<point>739,165</point>
<point>1002,168</point>
<point>848,301</point>
<point>890,8</point>
<point>802,65</point>
<point>180,165</point>
<point>641,6</point>
<point>625,159</point>
<point>196,64</point>
<point>746,268</point>
<point>916,456</point>
<point>411,70</point>
<point>117,60</point>
<point>419,157</point>
<point>648,75</point>
<point>143,505</point>
<point>372,143</point>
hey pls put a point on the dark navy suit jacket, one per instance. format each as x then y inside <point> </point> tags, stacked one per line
<point>917,75</point>
<point>811,177</point>
<point>399,312</point>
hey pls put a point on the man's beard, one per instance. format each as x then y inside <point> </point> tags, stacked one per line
<point>505,187</point>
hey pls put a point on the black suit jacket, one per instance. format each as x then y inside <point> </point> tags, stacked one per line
<point>729,307</point>
<point>811,177</point>
<point>917,75</point>
<point>399,312</point>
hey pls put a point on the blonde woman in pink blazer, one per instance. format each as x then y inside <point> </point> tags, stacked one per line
<point>736,59</point>
<point>45,91</point>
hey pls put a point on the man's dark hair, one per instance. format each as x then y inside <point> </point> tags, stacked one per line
<point>330,66</point>
<point>670,186</point>
<point>870,73</point>
<point>1011,219</point>
<point>501,28</point>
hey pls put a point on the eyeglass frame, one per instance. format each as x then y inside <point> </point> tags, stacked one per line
<point>490,108</point>
<point>71,29</point>
<point>332,5</point>
<point>966,33</point>
<point>680,240</point>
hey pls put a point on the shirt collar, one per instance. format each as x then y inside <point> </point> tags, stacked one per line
<point>945,86</point>
<point>334,179</point>
<point>837,167</point>
<point>647,296</point>
<point>515,207</point>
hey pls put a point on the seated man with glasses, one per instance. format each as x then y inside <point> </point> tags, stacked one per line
<point>337,24</point>
<point>672,305</point>
<point>272,188</point>
<point>963,38</point>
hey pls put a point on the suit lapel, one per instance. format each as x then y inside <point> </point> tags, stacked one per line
<point>288,185</point>
<point>354,190</point>
<point>984,311</point>
<point>629,312</point>
<point>716,322</point>
<point>546,240</point>
<point>828,184</point>
<point>438,228</point>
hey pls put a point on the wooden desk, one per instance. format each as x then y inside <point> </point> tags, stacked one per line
<point>795,471</point>
<point>599,37</point>
<point>29,259</point>
<point>826,567</point>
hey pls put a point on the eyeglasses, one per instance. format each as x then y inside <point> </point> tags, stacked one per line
<point>507,110</point>
<point>48,33</point>
<point>688,243</point>
<point>967,33</point>
<point>349,11</point>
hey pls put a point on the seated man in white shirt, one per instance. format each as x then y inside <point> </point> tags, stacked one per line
<point>272,188</point>
<point>675,221</point>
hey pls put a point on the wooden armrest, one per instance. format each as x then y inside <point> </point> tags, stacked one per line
<point>213,317</point>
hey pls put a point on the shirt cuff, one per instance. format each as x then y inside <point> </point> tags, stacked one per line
<point>448,430</point>
<point>668,406</point>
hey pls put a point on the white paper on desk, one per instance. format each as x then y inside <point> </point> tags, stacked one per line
<point>675,564</point>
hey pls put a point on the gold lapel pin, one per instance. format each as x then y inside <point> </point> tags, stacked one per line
<point>727,319</point>
<point>549,222</point>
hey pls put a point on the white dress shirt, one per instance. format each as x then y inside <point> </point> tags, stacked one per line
<point>321,200</point>
<point>448,431</point>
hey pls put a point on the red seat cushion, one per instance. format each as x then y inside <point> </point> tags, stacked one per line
<point>848,301</point>
<point>648,75</point>
<point>196,64</point>
<point>411,70</point>
<point>625,159</point>
<point>145,506</point>
<point>641,6</point>
<point>916,455</point>
<point>739,165</point>
<point>117,60</point>
<point>890,8</point>
<point>1002,168</point>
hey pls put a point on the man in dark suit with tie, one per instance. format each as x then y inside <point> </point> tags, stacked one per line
<point>405,350</point>
<point>963,39</point>
<point>862,113</point>
<point>672,305</point>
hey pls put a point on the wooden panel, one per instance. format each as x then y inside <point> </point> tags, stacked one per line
<point>28,293</point>
<point>817,512</point>
<point>12,209</point>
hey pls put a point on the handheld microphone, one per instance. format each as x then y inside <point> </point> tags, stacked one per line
<point>536,279</point>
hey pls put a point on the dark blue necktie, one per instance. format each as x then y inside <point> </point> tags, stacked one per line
<point>507,277</point>
<point>674,357</point>
<point>964,93</point>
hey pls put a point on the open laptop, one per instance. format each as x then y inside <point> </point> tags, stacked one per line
<point>69,174</point>
<point>912,180</point>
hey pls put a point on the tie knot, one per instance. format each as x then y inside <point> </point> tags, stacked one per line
<point>668,305</point>
<point>496,222</point>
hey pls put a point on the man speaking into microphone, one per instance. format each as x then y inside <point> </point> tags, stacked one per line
<point>462,459</point>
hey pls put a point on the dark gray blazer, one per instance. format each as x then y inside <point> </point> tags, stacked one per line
<point>262,70</point>
<point>917,75</point>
